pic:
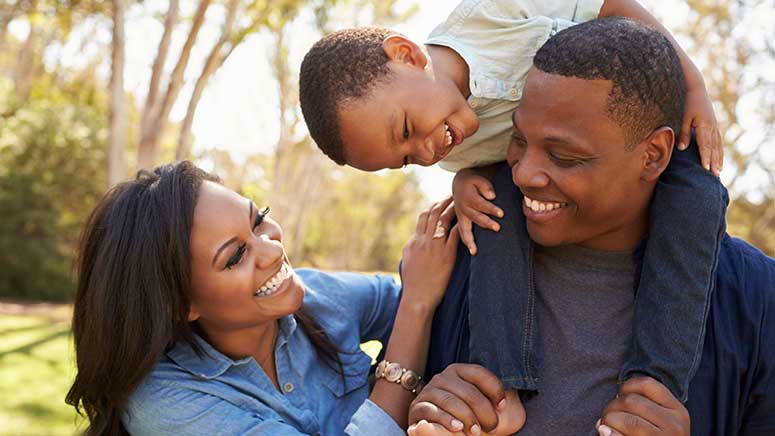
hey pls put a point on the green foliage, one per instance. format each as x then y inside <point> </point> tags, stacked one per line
<point>51,174</point>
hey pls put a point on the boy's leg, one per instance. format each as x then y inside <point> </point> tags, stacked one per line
<point>500,297</point>
<point>678,273</point>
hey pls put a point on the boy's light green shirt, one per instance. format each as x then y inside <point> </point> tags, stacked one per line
<point>498,39</point>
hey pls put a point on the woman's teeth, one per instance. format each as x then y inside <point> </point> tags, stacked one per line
<point>543,206</point>
<point>273,284</point>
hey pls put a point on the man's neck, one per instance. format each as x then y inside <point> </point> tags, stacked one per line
<point>448,64</point>
<point>622,238</point>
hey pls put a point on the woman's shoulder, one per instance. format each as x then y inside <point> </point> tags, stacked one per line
<point>345,289</point>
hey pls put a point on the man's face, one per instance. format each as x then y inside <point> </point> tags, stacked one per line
<point>581,185</point>
<point>412,119</point>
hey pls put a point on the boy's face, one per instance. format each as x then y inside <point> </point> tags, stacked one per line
<point>405,121</point>
<point>581,184</point>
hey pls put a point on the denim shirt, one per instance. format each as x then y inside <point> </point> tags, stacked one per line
<point>498,40</point>
<point>733,391</point>
<point>190,395</point>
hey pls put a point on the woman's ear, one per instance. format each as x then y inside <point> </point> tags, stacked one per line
<point>193,314</point>
<point>401,49</point>
<point>659,149</point>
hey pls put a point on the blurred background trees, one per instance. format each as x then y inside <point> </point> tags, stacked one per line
<point>73,121</point>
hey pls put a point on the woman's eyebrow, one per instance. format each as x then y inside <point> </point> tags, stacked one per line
<point>233,238</point>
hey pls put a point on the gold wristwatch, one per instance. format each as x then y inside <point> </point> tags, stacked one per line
<point>393,373</point>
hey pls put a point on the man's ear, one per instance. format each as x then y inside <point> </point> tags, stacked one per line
<point>401,49</point>
<point>659,149</point>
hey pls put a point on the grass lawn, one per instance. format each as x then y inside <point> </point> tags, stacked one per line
<point>36,370</point>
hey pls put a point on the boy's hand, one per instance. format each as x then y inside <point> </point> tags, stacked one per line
<point>699,114</point>
<point>472,193</point>
<point>644,407</point>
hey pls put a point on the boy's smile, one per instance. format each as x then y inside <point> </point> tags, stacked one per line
<point>413,117</point>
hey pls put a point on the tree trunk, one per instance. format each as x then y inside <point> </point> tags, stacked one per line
<point>150,137</point>
<point>214,61</point>
<point>23,73</point>
<point>117,128</point>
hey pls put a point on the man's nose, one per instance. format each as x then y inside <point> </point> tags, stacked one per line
<point>528,172</point>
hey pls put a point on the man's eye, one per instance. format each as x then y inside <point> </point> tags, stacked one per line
<point>518,140</point>
<point>565,163</point>
<point>237,256</point>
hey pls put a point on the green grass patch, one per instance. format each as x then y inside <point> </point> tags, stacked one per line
<point>36,370</point>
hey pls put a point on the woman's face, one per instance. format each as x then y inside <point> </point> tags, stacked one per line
<point>240,274</point>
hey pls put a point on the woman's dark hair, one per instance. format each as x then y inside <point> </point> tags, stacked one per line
<point>134,281</point>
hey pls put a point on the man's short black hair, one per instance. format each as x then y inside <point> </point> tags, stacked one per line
<point>342,66</point>
<point>648,89</point>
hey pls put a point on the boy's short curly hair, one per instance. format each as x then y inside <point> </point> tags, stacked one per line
<point>648,89</point>
<point>342,66</point>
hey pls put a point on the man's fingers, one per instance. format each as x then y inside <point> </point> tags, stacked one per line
<point>430,413</point>
<point>635,404</point>
<point>652,390</point>
<point>629,424</point>
<point>452,404</point>
<point>484,380</point>
<point>466,235</point>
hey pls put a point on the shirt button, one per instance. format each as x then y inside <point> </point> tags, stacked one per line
<point>513,92</point>
<point>473,105</point>
<point>288,387</point>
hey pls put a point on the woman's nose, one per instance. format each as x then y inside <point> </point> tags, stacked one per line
<point>268,250</point>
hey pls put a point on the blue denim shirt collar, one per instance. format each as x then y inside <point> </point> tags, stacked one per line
<point>212,363</point>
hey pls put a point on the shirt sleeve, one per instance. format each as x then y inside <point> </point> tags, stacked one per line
<point>173,411</point>
<point>165,410</point>
<point>371,420</point>
<point>578,11</point>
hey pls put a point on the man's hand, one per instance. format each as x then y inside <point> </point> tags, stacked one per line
<point>463,398</point>
<point>473,194</point>
<point>644,407</point>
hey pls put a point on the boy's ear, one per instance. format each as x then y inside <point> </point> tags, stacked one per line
<point>399,48</point>
<point>659,149</point>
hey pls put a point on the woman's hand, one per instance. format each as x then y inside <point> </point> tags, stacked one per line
<point>429,256</point>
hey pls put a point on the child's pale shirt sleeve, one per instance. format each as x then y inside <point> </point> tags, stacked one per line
<point>498,40</point>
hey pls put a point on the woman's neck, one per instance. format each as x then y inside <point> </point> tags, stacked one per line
<point>448,64</point>
<point>257,342</point>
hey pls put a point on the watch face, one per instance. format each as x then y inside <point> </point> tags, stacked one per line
<point>410,380</point>
<point>393,372</point>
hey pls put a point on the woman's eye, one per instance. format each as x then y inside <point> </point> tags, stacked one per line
<point>236,257</point>
<point>260,217</point>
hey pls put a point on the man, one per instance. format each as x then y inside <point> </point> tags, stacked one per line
<point>595,130</point>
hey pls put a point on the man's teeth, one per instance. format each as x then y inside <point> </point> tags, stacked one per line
<point>447,135</point>
<point>273,284</point>
<point>543,206</point>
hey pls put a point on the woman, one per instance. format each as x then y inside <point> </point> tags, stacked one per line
<point>189,319</point>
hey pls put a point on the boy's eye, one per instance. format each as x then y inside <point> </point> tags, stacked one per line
<point>406,129</point>
<point>406,161</point>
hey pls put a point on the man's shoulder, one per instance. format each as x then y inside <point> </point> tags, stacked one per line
<point>745,264</point>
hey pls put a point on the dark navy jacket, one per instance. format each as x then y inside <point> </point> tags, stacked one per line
<point>733,392</point>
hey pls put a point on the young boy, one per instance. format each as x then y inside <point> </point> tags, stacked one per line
<point>373,99</point>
